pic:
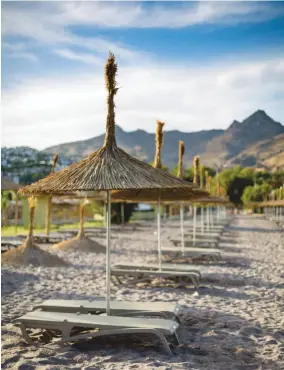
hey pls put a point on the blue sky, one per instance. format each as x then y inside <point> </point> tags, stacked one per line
<point>195,65</point>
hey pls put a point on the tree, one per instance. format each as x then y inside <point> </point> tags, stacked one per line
<point>277,179</point>
<point>188,172</point>
<point>6,197</point>
<point>257,193</point>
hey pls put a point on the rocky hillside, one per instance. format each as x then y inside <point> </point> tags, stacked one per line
<point>236,145</point>
<point>141,144</point>
<point>256,141</point>
<point>267,154</point>
<point>242,136</point>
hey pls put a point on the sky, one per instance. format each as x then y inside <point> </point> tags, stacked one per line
<point>194,65</point>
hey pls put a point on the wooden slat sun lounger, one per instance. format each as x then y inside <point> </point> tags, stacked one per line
<point>97,306</point>
<point>41,238</point>
<point>142,275</point>
<point>206,253</point>
<point>198,242</point>
<point>101,325</point>
<point>205,235</point>
<point>7,244</point>
<point>155,267</point>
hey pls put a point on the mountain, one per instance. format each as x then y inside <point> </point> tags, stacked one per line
<point>241,136</point>
<point>256,141</point>
<point>141,144</point>
<point>266,154</point>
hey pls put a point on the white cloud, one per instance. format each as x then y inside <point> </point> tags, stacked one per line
<point>43,23</point>
<point>81,57</point>
<point>142,15</point>
<point>48,111</point>
<point>18,50</point>
<point>50,23</point>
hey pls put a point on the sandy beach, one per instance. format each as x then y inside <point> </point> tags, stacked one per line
<point>234,321</point>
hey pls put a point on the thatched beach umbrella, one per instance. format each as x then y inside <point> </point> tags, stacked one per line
<point>29,253</point>
<point>181,150</point>
<point>109,168</point>
<point>199,193</point>
<point>152,198</point>
<point>201,185</point>
<point>81,242</point>
<point>195,181</point>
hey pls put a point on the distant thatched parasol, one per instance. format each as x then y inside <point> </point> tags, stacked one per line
<point>180,159</point>
<point>81,242</point>
<point>29,253</point>
<point>195,169</point>
<point>201,176</point>
<point>109,168</point>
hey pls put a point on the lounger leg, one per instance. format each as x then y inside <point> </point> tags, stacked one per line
<point>194,281</point>
<point>155,332</point>
<point>195,272</point>
<point>176,339</point>
<point>25,334</point>
<point>66,331</point>
<point>116,281</point>
<point>177,319</point>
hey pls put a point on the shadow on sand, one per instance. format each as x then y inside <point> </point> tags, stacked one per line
<point>255,229</point>
<point>209,339</point>
<point>13,281</point>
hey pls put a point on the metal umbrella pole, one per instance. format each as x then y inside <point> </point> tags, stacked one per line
<point>182,227</point>
<point>105,214</point>
<point>194,225</point>
<point>108,231</point>
<point>122,213</point>
<point>201,220</point>
<point>212,217</point>
<point>207,218</point>
<point>17,213</point>
<point>159,233</point>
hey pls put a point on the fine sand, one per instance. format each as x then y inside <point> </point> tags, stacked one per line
<point>234,321</point>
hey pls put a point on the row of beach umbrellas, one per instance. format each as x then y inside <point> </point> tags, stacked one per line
<point>121,177</point>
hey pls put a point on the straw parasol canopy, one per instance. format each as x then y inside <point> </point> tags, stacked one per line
<point>181,150</point>
<point>159,144</point>
<point>29,253</point>
<point>201,176</point>
<point>272,203</point>
<point>109,168</point>
<point>81,242</point>
<point>195,169</point>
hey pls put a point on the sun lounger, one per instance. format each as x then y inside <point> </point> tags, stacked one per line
<point>155,267</point>
<point>7,244</point>
<point>198,242</point>
<point>118,308</point>
<point>142,275</point>
<point>206,253</point>
<point>205,235</point>
<point>42,238</point>
<point>103,326</point>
